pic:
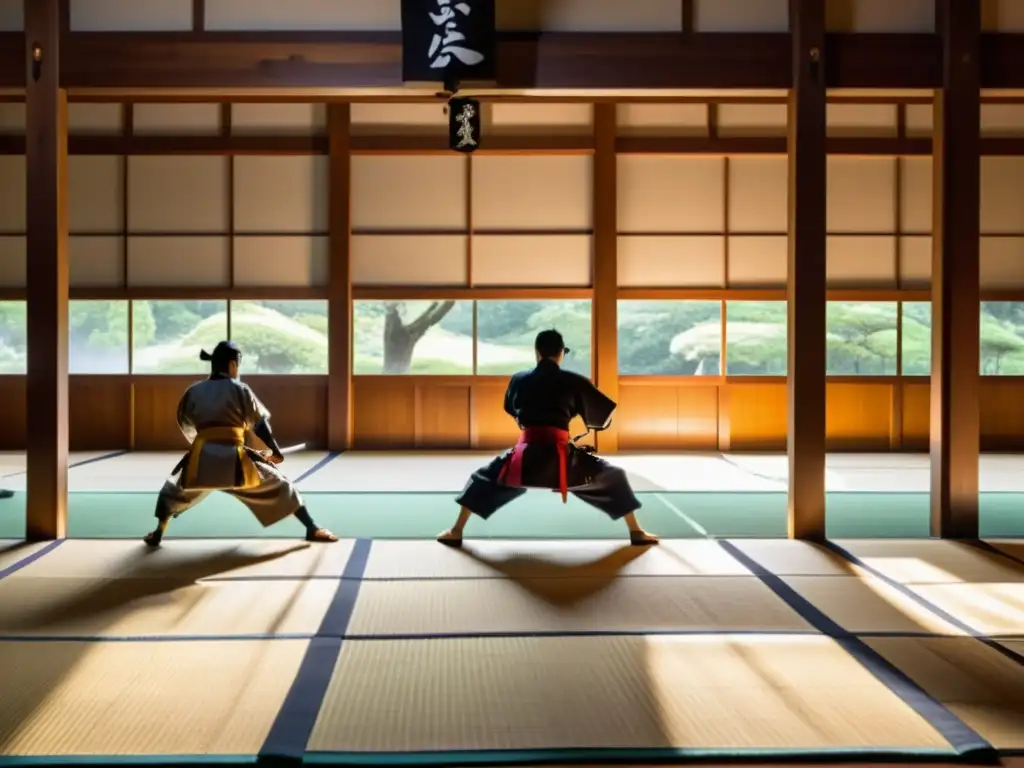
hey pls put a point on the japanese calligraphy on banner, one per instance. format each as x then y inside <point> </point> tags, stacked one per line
<point>448,41</point>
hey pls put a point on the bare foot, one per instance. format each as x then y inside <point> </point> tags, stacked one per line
<point>643,539</point>
<point>321,536</point>
<point>451,538</point>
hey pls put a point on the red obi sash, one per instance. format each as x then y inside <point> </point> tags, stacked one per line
<point>512,471</point>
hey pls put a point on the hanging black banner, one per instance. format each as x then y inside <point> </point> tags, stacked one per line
<point>449,41</point>
<point>464,125</point>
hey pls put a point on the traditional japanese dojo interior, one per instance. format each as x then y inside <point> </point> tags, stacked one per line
<point>785,236</point>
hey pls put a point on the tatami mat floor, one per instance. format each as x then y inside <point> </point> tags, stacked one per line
<point>406,652</point>
<point>438,472</point>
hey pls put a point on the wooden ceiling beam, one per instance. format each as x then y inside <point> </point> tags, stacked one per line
<point>208,60</point>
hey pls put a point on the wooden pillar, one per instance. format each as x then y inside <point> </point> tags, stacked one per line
<point>606,265</point>
<point>46,143</point>
<point>956,230</point>
<point>806,284</point>
<point>339,387</point>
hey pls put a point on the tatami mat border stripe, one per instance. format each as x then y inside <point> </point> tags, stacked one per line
<point>844,553</point>
<point>29,559</point>
<point>318,466</point>
<point>150,761</point>
<point>298,714</point>
<point>964,739</point>
<point>990,549</point>
<point>550,757</point>
<point>82,463</point>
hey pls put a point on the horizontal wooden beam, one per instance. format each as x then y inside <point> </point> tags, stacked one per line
<point>533,145</point>
<point>338,60</point>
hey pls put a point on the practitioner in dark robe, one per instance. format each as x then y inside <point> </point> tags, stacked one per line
<point>215,415</point>
<point>543,401</point>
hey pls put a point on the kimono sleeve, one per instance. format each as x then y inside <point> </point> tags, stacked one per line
<point>185,421</point>
<point>254,410</point>
<point>595,408</point>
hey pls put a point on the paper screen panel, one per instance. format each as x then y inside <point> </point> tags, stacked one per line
<point>916,195</point>
<point>758,261</point>
<point>12,194</point>
<point>915,262</point>
<point>178,194</point>
<point>270,261</point>
<point>1002,120</point>
<point>131,15</point>
<point>12,118</point>
<point>95,193</point>
<point>1002,15</point>
<point>880,16</point>
<point>541,192</point>
<point>662,119</point>
<point>861,262</point>
<point>752,120</point>
<point>920,120</point>
<point>179,261</point>
<point>589,15</point>
<point>667,261</point>
<point>382,118</point>
<point>89,119</point>
<point>12,15</point>
<point>532,260</point>
<point>13,261</point>
<point>741,16</point>
<point>176,119</point>
<point>408,192</point>
<point>861,195</point>
<point>410,260</point>
<point>278,119</point>
<point>1002,193</point>
<point>541,119</point>
<point>1002,262</point>
<point>847,120</point>
<point>758,194</point>
<point>96,261</point>
<point>285,193</point>
<point>673,194</point>
<point>304,15</point>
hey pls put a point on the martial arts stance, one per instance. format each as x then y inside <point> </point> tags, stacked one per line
<point>543,401</point>
<point>214,415</point>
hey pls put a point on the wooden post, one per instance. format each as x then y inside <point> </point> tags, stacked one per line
<point>339,388</point>
<point>806,284</point>
<point>955,420</point>
<point>46,143</point>
<point>606,265</point>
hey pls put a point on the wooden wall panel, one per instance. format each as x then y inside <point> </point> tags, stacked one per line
<point>12,395</point>
<point>443,416</point>
<point>384,412</point>
<point>916,414</point>
<point>493,429</point>
<point>155,406</point>
<point>297,405</point>
<point>755,416</point>
<point>859,416</point>
<point>667,417</point>
<point>100,413</point>
<point>1002,418</point>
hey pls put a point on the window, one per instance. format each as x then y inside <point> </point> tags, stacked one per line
<point>862,337</point>
<point>506,331</point>
<point>413,337</point>
<point>281,337</point>
<point>1002,338</point>
<point>674,338</point>
<point>916,341</point>
<point>756,338</point>
<point>98,337</point>
<point>167,336</point>
<point>13,337</point>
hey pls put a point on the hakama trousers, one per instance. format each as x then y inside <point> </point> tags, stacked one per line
<point>270,502</point>
<point>590,479</point>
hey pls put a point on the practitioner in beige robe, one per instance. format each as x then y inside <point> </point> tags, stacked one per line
<point>215,415</point>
